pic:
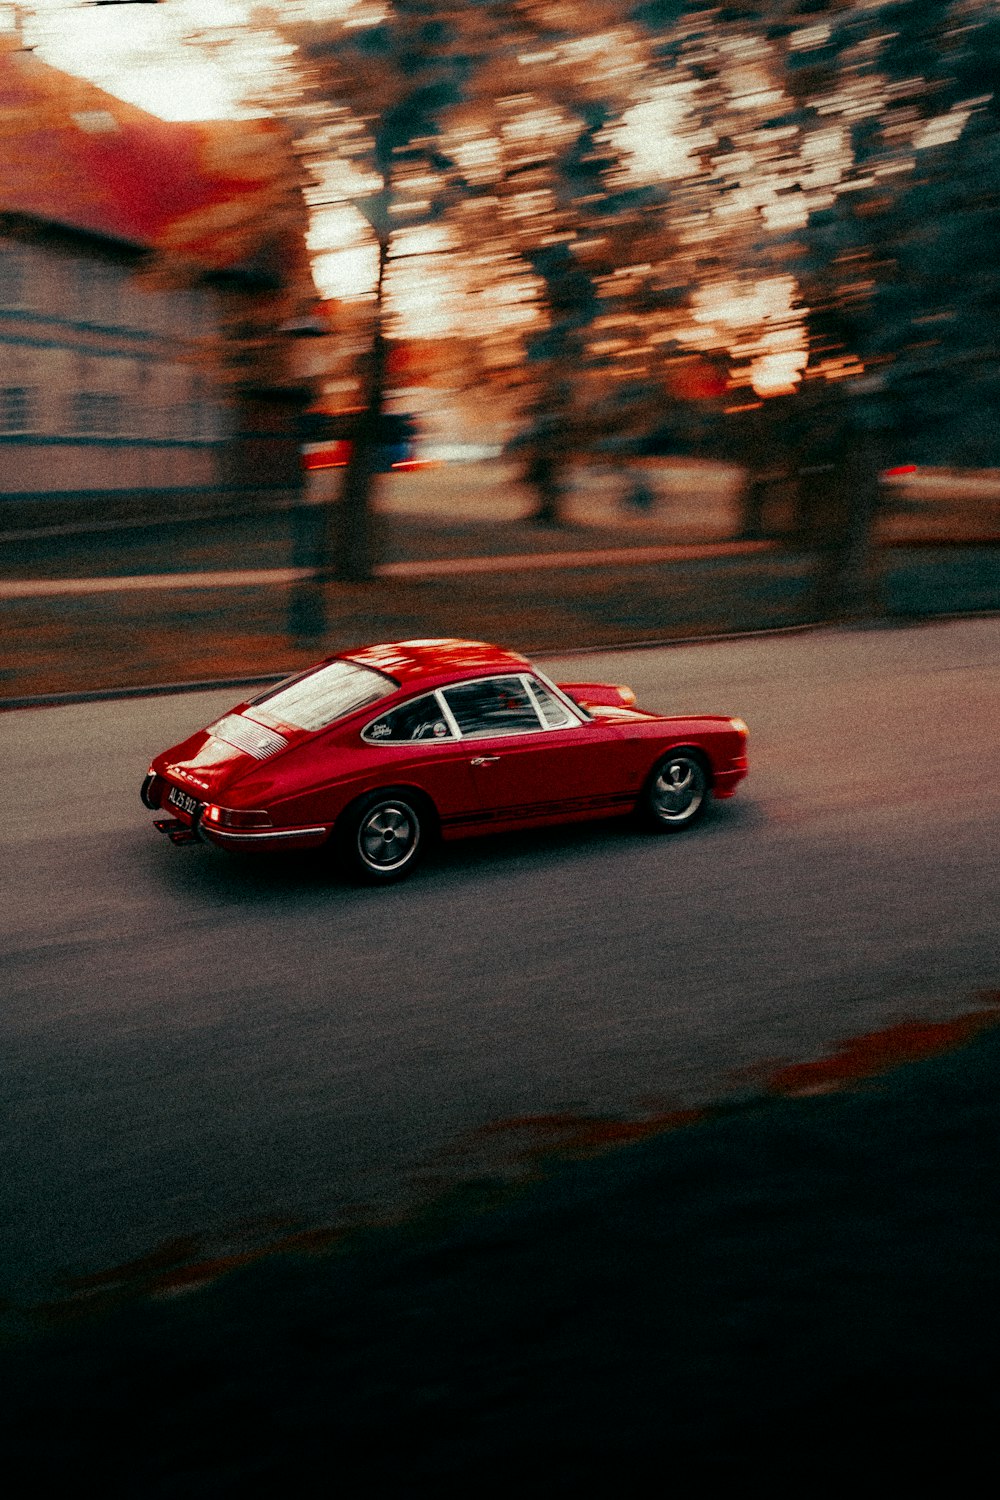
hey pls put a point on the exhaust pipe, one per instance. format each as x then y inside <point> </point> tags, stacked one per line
<point>177,833</point>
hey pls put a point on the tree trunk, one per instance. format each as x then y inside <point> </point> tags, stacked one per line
<point>766,444</point>
<point>545,454</point>
<point>355,554</point>
<point>348,547</point>
<point>756,493</point>
<point>546,476</point>
<point>846,494</point>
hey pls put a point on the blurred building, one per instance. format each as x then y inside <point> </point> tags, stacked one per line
<point>146,268</point>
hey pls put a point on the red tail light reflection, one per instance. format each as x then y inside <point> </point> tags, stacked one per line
<point>225,817</point>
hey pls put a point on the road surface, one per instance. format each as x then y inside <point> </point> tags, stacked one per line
<point>199,1046</point>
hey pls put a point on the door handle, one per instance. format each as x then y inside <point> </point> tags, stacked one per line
<point>484,760</point>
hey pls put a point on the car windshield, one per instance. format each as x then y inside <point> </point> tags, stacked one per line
<point>321,697</point>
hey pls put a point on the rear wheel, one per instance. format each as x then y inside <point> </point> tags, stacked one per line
<point>384,836</point>
<point>676,794</point>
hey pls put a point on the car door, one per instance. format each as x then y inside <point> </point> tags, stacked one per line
<point>415,743</point>
<point>531,758</point>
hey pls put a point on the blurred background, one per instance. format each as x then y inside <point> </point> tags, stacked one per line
<point>330,292</point>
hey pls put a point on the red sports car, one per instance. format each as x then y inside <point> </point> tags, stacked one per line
<point>374,751</point>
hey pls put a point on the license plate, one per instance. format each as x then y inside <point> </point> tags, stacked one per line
<point>183,800</point>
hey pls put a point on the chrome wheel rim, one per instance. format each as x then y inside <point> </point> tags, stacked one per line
<point>388,836</point>
<point>679,790</point>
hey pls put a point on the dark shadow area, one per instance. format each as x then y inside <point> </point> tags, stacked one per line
<point>794,1283</point>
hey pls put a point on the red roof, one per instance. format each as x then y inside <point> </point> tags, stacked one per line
<point>75,156</point>
<point>443,659</point>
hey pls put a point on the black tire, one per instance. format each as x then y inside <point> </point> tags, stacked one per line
<point>383,836</point>
<point>676,794</point>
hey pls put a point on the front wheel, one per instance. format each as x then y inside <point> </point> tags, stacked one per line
<point>383,837</point>
<point>676,794</point>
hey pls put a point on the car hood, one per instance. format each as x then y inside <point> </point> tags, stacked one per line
<point>608,713</point>
<point>616,713</point>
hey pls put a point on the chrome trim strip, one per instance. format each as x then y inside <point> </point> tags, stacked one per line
<point>606,804</point>
<point>526,678</point>
<point>526,684</point>
<point>449,716</point>
<point>576,709</point>
<point>435,694</point>
<point>578,714</point>
<point>261,834</point>
<point>543,728</point>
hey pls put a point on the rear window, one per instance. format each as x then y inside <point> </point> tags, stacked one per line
<point>321,697</point>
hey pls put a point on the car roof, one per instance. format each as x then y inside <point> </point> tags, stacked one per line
<point>436,661</point>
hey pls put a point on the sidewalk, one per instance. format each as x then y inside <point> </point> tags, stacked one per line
<point>434,567</point>
<point>227,597</point>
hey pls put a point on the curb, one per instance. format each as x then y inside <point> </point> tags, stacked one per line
<point>212,684</point>
<point>149,690</point>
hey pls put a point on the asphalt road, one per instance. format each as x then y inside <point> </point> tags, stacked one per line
<point>199,1046</point>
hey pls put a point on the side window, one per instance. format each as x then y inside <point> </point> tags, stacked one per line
<point>499,705</point>
<point>555,714</point>
<point>18,409</point>
<point>420,719</point>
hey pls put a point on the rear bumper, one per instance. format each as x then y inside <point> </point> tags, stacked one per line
<point>183,826</point>
<point>310,837</point>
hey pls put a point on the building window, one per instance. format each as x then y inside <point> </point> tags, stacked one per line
<point>11,279</point>
<point>98,414</point>
<point>17,409</point>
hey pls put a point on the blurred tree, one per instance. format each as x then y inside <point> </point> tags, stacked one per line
<point>373,87</point>
<point>899,272</point>
<point>945,230</point>
<point>494,122</point>
<point>833,200</point>
<point>557,87</point>
<point>801,193</point>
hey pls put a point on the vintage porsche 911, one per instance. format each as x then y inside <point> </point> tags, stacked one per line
<point>373,752</point>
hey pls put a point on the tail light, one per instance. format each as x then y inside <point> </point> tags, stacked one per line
<point>228,817</point>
